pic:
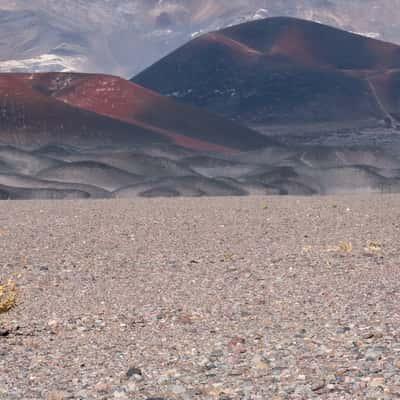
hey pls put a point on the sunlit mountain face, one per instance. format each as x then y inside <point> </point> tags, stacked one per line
<point>125,36</point>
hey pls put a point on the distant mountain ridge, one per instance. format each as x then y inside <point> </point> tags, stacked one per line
<point>283,70</point>
<point>125,36</point>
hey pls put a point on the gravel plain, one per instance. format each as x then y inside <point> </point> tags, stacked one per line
<point>214,298</point>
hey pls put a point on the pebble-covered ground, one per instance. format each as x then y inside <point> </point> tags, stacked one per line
<point>224,298</point>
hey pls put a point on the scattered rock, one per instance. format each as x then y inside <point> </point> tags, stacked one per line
<point>156,398</point>
<point>394,390</point>
<point>120,395</point>
<point>134,373</point>
<point>368,335</point>
<point>177,389</point>
<point>343,329</point>
<point>103,387</point>
<point>53,323</point>
<point>377,382</point>
<point>260,362</point>
<point>372,355</point>
<point>5,332</point>
<point>318,385</point>
<point>58,395</point>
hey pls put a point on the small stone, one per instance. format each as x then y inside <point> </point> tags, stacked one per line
<point>135,373</point>
<point>368,335</point>
<point>120,395</point>
<point>301,333</point>
<point>177,389</point>
<point>372,356</point>
<point>186,319</point>
<point>236,372</point>
<point>394,389</point>
<point>377,382</point>
<point>81,394</point>
<point>343,329</point>
<point>52,323</point>
<point>375,394</point>
<point>237,341</point>
<point>58,395</point>
<point>100,323</point>
<point>210,366</point>
<point>224,396</point>
<point>247,386</point>
<point>330,386</point>
<point>317,385</point>
<point>260,362</point>
<point>156,398</point>
<point>237,345</point>
<point>131,387</point>
<point>103,387</point>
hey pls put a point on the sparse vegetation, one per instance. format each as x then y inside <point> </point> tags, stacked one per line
<point>228,257</point>
<point>8,295</point>
<point>374,246</point>
<point>347,247</point>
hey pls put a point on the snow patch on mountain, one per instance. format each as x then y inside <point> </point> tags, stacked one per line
<point>125,36</point>
<point>43,63</point>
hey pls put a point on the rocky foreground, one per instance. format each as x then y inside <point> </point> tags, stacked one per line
<point>230,298</point>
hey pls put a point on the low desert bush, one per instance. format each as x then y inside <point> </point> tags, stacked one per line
<point>346,247</point>
<point>374,246</point>
<point>8,295</point>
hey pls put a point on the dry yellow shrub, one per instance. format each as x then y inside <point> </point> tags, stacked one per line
<point>374,246</point>
<point>8,296</point>
<point>228,257</point>
<point>346,247</point>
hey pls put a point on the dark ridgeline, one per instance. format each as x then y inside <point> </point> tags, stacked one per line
<point>283,70</point>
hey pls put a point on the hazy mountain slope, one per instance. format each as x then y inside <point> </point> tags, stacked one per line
<point>125,36</point>
<point>110,172</point>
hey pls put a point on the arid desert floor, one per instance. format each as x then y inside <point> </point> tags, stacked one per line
<point>215,298</point>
